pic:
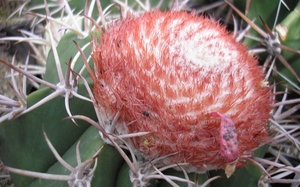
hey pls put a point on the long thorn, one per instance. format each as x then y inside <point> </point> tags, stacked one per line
<point>55,153</point>
<point>259,30</point>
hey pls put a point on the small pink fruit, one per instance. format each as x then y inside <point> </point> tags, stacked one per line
<point>228,138</point>
<point>177,75</point>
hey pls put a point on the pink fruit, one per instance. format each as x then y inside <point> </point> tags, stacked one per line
<point>177,75</point>
<point>228,138</point>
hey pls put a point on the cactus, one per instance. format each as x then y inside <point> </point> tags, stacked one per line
<point>66,134</point>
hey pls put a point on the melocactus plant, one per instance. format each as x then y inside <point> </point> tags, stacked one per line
<point>151,98</point>
<point>177,76</point>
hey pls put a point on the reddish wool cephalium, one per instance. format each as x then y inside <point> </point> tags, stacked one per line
<point>185,80</point>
